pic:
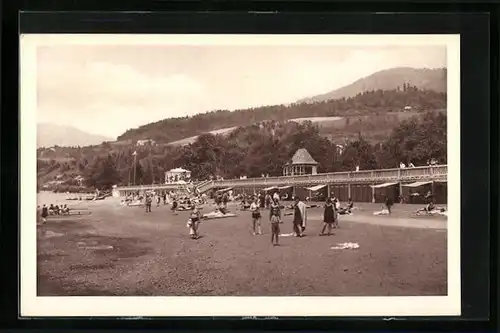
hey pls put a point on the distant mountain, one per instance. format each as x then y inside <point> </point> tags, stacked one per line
<point>49,135</point>
<point>426,79</point>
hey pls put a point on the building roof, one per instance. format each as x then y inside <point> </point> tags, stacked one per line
<point>178,170</point>
<point>302,156</point>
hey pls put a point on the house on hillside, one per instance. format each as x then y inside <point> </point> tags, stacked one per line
<point>145,142</point>
<point>301,163</point>
<point>407,108</point>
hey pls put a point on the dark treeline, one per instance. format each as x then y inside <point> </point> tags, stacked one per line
<point>261,148</point>
<point>174,129</point>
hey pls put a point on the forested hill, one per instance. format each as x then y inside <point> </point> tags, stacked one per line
<point>422,78</point>
<point>366,103</point>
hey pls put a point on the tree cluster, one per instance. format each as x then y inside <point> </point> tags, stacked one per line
<point>261,148</point>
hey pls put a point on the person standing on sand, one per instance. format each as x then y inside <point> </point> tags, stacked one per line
<point>158,200</point>
<point>148,203</point>
<point>276,196</point>
<point>336,210</point>
<point>262,200</point>
<point>268,200</point>
<point>174,206</point>
<point>218,200</point>
<point>193,223</point>
<point>328,217</point>
<point>275,218</point>
<point>299,218</point>
<point>225,200</point>
<point>256,217</point>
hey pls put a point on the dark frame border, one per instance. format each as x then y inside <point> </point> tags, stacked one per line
<point>475,161</point>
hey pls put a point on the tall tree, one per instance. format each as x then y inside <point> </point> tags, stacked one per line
<point>103,174</point>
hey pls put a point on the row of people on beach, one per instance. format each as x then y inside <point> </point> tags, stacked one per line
<point>331,214</point>
<point>45,211</point>
<point>330,217</point>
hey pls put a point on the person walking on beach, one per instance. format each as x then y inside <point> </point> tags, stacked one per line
<point>388,204</point>
<point>158,200</point>
<point>275,219</point>
<point>45,213</point>
<point>256,217</point>
<point>299,218</point>
<point>328,217</point>
<point>148,203</point>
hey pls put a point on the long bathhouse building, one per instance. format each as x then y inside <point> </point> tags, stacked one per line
<point>408,185</point>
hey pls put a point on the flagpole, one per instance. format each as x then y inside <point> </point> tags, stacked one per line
<point>135,164</point>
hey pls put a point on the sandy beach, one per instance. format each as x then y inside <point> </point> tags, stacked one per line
<point>125,251</point>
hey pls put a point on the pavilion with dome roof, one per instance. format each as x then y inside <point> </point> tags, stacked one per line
<point>301,163</point>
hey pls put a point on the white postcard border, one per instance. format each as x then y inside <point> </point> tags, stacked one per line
<point>32,305</point>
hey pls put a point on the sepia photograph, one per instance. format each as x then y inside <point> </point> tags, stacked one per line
<point>240,175</point>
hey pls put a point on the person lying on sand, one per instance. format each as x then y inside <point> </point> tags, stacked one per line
<point>245,205</point>
<point>348,209</point>
<point>430,209</point>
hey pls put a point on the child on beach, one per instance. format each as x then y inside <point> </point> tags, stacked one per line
<point>158,200</point>
<point>275,218</point>
<point>336,209</point>
<point>256,216</point>
<point>174,207</point>
<point>193,223</point>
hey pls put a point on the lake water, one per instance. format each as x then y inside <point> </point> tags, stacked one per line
<point>47,198</point>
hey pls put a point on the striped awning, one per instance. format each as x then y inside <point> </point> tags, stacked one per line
<point>315,188</point>
<point>383,185</point>
<point>225,189</point>
<point>284,187</point>
<point>417,184</point>
<point>270,188</point>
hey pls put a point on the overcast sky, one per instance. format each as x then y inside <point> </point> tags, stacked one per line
<point>109,89</point>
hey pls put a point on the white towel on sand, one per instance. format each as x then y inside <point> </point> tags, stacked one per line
<point>344,246</point>
<point>382,212</point>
